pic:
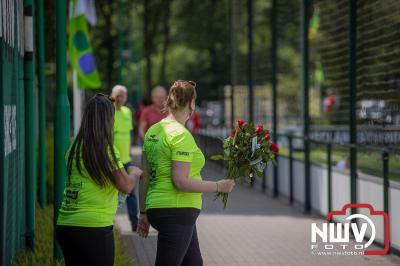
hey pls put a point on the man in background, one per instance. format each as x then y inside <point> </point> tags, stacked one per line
<point>122,141</point>
<point>142,104</point>
<point>154,112</point>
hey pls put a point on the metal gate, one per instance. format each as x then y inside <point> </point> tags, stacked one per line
<point>12,131</point>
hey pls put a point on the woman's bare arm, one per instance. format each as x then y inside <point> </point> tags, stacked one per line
<point>181,180</point>
<point>143,184</point>
<point>142,129</point>
<point>143,225</point>
<point>125,182</point>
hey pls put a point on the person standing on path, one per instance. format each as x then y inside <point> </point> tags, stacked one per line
<point>122,140</point>
<point>171,186</point>
<point>154,112</point>
<point>193,124</point>
<point>142,104</point>
<point>95,174</point>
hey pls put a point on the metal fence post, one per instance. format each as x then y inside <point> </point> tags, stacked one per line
<point>30,150</point>
<point>121,41</point>
<point>329,166</point>
<point>386,186</point>
<point>274,38</point>
<point>352,108</point>
<point>304,85</point>
<point>40,55</point>
<point>62,112</point>
<point>250,57</point>
<point>291,198</point>
<point>3,197</point>
<point>232,5</point>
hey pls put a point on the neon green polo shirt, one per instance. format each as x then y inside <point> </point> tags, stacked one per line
<point>85,203</point>
<point>122,132</point>
<point>164,142</point>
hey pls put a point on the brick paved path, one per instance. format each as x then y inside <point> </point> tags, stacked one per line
<point>254,230</point>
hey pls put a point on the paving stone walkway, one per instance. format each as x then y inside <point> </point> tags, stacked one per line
<point>255,229</point>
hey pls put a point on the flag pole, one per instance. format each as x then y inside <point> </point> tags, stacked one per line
<point>77,102</point>
<point>62,111</point>
<point>30,137</point>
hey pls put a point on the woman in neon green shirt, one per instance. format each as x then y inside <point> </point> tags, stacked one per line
<point>95,175</point>
<point>171,188</point>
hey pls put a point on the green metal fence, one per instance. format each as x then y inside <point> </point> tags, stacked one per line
<point>12,131</point>
<point>328,74</point>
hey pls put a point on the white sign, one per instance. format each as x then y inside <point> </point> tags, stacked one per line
<point>10,125</point>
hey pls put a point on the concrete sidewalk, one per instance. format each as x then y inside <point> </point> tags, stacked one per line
<point>254,230</point>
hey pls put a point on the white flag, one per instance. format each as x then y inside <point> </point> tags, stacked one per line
<point>85,7</point>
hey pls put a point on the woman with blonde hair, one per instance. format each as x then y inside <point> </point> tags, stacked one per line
<point>171,186</point>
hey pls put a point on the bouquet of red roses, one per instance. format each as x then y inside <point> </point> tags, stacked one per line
<point>247,152</point>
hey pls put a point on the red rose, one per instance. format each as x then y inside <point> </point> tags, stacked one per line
<point>273,147</point>
<point>233,133</point>
<point>240,123</point>
<point>259,128</point>
<point>266,137</point>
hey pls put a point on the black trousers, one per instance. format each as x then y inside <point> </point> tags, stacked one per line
<point>86,245</point>
<point>177,242</point>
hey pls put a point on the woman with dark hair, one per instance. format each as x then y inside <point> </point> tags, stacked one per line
<point>171,185</point>
<point>95,175</point>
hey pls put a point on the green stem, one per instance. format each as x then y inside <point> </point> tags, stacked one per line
<point>224,197</point>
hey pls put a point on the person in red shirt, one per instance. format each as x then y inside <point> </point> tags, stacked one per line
<point>154,112</point>
<point>139,109</point>
<point>193,124</point>
<point>329,101</point>
<point>145,102</point>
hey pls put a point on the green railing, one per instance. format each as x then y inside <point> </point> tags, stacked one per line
<point>210,143</point>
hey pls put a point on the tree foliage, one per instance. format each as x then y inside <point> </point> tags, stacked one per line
<point>143,43</point>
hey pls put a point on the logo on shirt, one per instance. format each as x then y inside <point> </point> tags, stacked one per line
<point>182,153</point>
<point>152,138</point>
<point>72,194</point>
